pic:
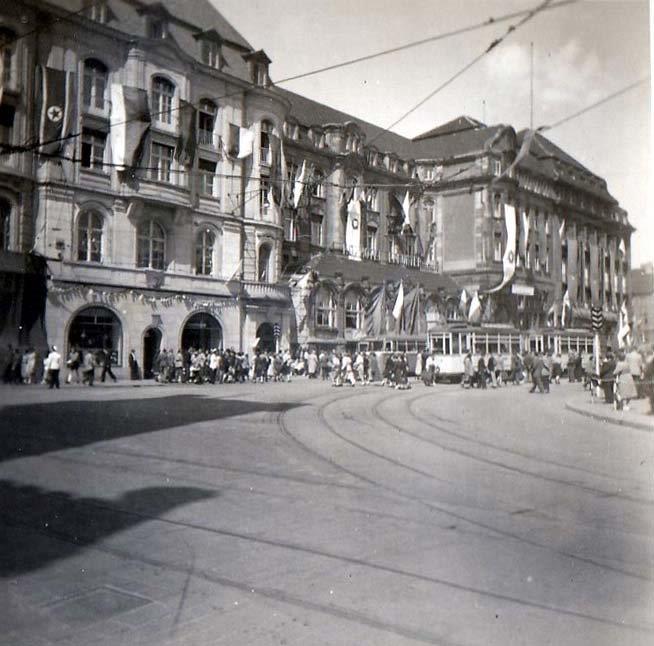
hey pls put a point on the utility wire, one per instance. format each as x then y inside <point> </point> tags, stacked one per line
<point>490,21</point>
<point>417,43</point>
<point>465,68</point>
<point>624,90</point>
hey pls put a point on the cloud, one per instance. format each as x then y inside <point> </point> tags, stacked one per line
<point>565,80</point>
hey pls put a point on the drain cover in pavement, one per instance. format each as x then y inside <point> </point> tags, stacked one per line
<point>97,605</point>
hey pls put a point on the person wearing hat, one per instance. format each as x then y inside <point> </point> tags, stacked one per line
<point>53,366</point>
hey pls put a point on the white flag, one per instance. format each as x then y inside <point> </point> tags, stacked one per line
<point>508,259</point>
<point>622,247</point>
<point>406,206</point>
<point>566,305</point>
<point>298,186</point>
<point>561,230</point>
<point>624,329</point>
<point>399,302</point>
<point>524,235</point>
<point>474,314</point>
<point>463,301</point>
<point>245,142</point>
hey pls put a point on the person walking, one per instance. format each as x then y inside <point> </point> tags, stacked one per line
<point>73,364</point>
<point>635,361</point>
<point>625,387</point>
<point>546,372</point>
<point>133,365</point>
<point>88,368</point>
<point>468,371</point>
<point>53,366</point>
<point>537,374</point>
<point>106,366</point>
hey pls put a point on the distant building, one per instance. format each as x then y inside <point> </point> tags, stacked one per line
<point>173,197</point>
<point>642,303</point>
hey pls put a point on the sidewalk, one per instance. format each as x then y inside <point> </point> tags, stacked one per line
<point>637,417</point>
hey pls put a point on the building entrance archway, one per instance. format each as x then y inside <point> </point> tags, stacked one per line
<point>266,336</point>
<point>151,349</point>
<point>202,331</point>
<point>96,329</point>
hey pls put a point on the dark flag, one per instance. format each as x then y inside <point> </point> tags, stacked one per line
<point>53,108</point>
<point>186,141</point>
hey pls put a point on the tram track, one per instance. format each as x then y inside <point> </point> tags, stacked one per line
<point>452,514</point>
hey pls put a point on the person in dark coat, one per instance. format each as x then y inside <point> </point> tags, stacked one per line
<point>133,366</point>
<point>106,366</point>
<point>537,374</point>
<point>481,372</point>
<point>607,379</point>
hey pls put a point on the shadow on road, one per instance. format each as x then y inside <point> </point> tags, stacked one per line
<point>30,517</point>
<point>40,428</point>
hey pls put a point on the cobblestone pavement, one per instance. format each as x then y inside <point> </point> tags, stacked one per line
<point>303,514</point>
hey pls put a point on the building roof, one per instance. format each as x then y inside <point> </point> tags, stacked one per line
<point>455,125</point>
<point>327,265</point>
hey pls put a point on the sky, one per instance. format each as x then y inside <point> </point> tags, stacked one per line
<point>582,53</point>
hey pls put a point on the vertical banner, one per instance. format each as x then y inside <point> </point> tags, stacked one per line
<point>508,259</point>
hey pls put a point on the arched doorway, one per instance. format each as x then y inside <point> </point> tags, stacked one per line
<point>202,331</point>
<point>151,348</point>
<point>97,328</point>
<point>266,336</point>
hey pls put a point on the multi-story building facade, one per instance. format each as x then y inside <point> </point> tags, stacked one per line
<point>179,198</point>
<point>642,303</point>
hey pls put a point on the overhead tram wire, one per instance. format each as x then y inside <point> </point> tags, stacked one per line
<point>531,14</point>
<point>417,43</point>
<point>486,23</point>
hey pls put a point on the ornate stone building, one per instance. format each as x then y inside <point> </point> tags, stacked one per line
<point>179,198</point>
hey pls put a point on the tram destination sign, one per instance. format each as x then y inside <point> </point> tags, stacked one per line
<point>522,290</point>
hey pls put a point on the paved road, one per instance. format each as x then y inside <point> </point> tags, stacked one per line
<point>302,514</point>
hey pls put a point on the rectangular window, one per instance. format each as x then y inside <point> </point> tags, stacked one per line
<point>161,161</point>
<point>206,124</point>
<point>497,247</point>
<point>93,146</point>
<point>7,55</point>
<point>207,174</point>
<point>316,230</point>
<point>371,240</point>
<point>7,114</point>
<point>98,12</point>
<point>290,232</point>
<point>210,53</point>
<point>264,189</point>
<point>157,29</point>
<point>233,140</point>
<point>162,101</point>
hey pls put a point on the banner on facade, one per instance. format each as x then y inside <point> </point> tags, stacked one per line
<point>597,317</point>
<point>56,106</point>
<point>508,259</point>
<point>130,123</point>
<point>186,141</point>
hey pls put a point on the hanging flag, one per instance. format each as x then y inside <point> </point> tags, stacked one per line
<point>406,208</point>
<point>597,317</point>
<point>399,302</point>
<point>624,328</point>
<point>187,139</point>
<point>551,316</point>
<point>55,103</point>
<point>524,235</point>
<point>375,318</point>
<point>566,307</point>
<point>298,186</point>
<point>237,270</point>
<point>474,314</point>
<point>561,229</point>
<point>522,153</point>
<point>463,301</point>
<point>622,247</point>
<point>508,259</point>
<point>245,143</point>
<point>130,123</point>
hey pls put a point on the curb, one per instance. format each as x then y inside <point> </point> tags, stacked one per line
<point>609,419</point>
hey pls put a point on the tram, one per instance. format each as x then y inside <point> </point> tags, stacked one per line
<point>451,343</point>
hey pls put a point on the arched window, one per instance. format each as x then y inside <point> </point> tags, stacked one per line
<point>205,244</point>
<point>151,245</point>
<point>207,113</point>
<point>324,308</point>
<point>163,93</point>
<point>263,263</point>
<point>95,84</point>
<point>318,184</point>
<point>89,237</point>
<point>353,311</point>
<point>5,224</point>
<point>95,329</point>
<point>7,39</point>
<point>266,132</point>
<point>452,312</point>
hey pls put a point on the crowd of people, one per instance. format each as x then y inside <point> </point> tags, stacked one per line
<point>622,376</point>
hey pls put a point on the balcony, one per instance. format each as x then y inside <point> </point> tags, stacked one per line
<point>205,137</point>
<point>266,291</point>
<point>406,260</point>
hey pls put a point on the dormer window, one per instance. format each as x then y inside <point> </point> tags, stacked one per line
<point>210,53</point>
<point>98,12</point>
<point>258,63</point>
<point>157,28</point>
<point>261,75</point>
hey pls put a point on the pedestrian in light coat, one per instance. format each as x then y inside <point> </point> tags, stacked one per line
<point>53,366</point>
